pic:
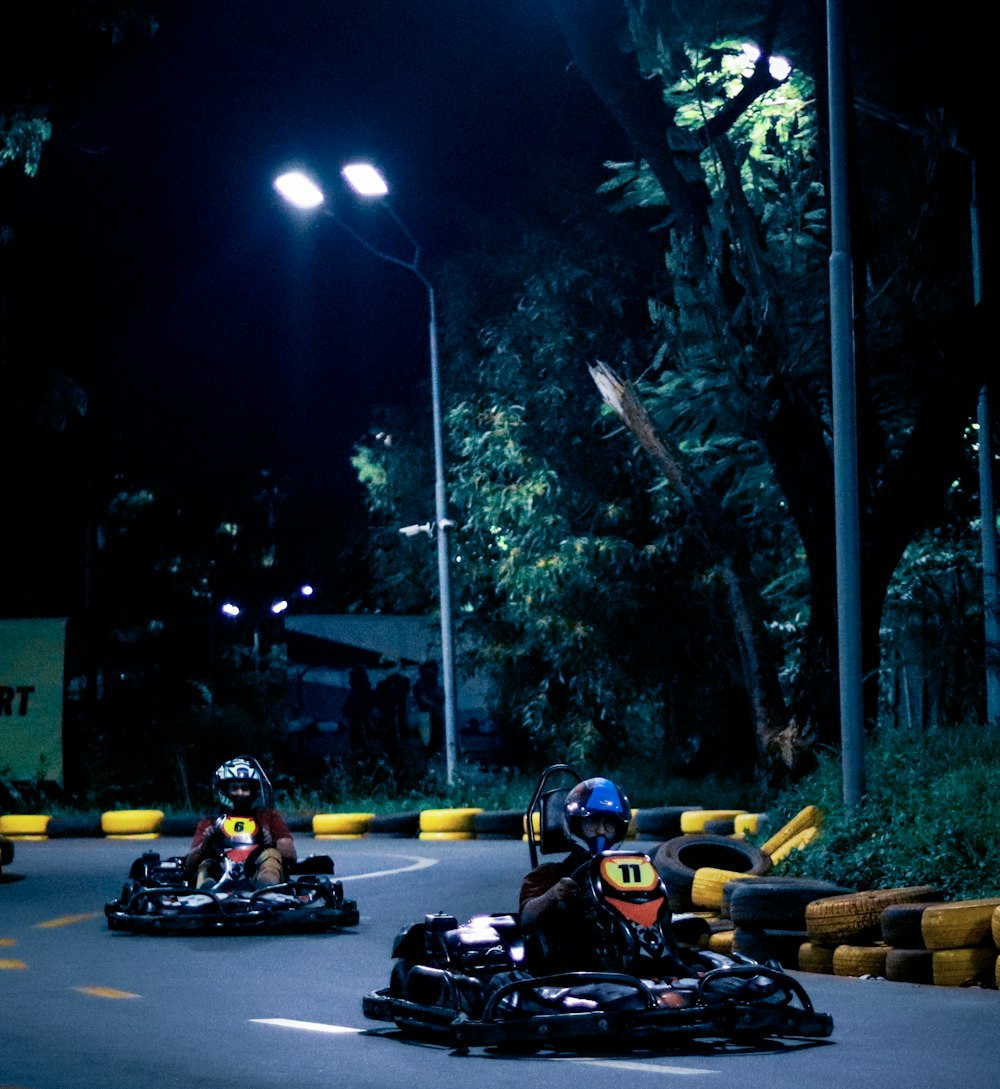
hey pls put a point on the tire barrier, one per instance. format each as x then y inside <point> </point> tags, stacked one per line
<point>694,820</point>
<point>404,825</point>
<point>778,903</point>
<point>341,825</point>
<point>132,823</point>
<point>448,823</point>
<point>794,843</point>
<point>678,858</point>
<point>707,885</point>
<point>70,827</point>
<point>816,958</point>
<point>25,825</point>
<point>499,824</point>
<point>749,824</point>
<point>856,918</point>
<point>766,944</point>
<point>6,851</point>
<point>661,822</point>
<point>958,925</point>
<point>809,817</point>
<point>860,960</point>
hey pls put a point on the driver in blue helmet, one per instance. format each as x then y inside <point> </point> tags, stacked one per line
<point>596,816</point>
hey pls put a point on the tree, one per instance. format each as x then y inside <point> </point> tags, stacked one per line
<point>736,273</point>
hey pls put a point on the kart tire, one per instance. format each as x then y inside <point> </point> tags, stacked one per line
<point>695,820</point>
<point>910,966</point>
<point>816,958</point>
<point>499,824</point>
<point>778,903</point>
<point>835,920</point>
<point>341,824</point>
<point>677,859</point>
<point>449,820</point>
<point>963,967</point>
<point>808,817</point>
<point>959,924</point>
<point>404,825</point>
<point>131,822</point>
<point>661,822</point>
<point>763,945</point>
<point>73,827</point>
<point>900,926</point>
<point>24,825</point>
<point>860,960</point>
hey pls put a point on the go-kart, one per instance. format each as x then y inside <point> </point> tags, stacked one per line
<point>157,897</point>
<point>480,984</point>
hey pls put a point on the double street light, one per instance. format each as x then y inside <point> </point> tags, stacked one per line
<point>300,190</point>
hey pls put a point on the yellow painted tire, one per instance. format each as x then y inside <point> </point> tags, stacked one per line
<point>694,819</point>
<point>962,967</point>
<point>809,817</point>
<point>708,882</point>
<point>958,925</point>
<point>996,973</point>
<point>748,824</point>
<point>836,920</point>
<point>131,822</point>
<point>721,941</point>
<point>446,835</point>
<point>797,843</point>
<point>449,820</point>
<point>995,927</point>
<point>24,825</point>
<point>341,824</point>
<point>816,958</point>
<point>860,960</point>
<point>132,835</point>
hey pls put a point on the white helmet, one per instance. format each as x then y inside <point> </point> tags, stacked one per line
<point>242,769</point>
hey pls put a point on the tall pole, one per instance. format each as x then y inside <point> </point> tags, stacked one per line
<point>987,507</point>
<point>368,182</point>
<point>444,577</point>
<point>845,429</point>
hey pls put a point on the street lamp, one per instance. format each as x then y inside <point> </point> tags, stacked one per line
<point>366,181</point>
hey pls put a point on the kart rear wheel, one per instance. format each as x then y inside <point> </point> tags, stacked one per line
<point>397,980</point>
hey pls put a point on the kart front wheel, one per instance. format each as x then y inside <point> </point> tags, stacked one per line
<point>398,978</point>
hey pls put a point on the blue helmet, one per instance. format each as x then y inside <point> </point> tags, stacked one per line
<point>597,797</point>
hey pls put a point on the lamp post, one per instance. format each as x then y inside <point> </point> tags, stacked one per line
<point>366,181</point>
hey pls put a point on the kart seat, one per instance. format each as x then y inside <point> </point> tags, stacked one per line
<point>552,837</point>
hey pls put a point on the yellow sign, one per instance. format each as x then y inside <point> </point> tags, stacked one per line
<point>31,698</point>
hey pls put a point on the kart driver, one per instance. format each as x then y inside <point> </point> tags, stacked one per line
<point>243,790</point>
<point>596,816</point>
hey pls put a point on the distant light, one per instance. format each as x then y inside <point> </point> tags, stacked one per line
<point>279,607</point>
<point>299,190</point>
<point>230,609</point>
<point>365,180</point>
<point>306,591</point>
<point>779,67</point>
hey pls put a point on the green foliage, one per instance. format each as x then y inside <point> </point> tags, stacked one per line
<point>931,814</point>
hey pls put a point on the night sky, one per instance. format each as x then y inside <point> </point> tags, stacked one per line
<point>217,333</point>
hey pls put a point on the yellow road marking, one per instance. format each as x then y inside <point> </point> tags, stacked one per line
<point>12,964</point>
<point>66,920</point>
<point>106,992</point>
<point>5,942</point>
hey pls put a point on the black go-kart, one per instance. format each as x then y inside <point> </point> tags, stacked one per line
<point>158,899</point>
<point>478,985</point>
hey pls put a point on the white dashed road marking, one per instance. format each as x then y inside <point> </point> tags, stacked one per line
<point>305,1026</point>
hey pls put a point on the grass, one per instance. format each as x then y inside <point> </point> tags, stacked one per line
<point>931,815</point>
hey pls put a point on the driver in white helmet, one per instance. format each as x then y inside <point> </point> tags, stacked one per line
<point>244,793</point>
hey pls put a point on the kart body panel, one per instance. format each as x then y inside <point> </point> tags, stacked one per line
<point>157,899</point>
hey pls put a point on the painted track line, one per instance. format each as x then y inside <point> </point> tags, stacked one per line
<point>305,1026</point>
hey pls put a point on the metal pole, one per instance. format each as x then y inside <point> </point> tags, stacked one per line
<point>845,434</point>
<point>444,577</point>
<point>987,507</point>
